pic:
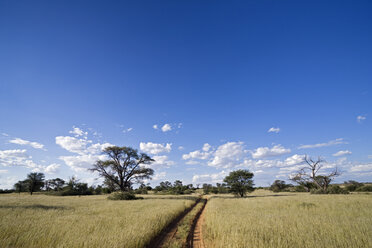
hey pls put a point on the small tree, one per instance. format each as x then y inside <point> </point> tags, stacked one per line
<point>124,167</point>
<point>279,185</point>
<point>309,174</point>
<point>240,182</point>
<point>20,186</point>
<point>57,183</point>
<point>35,181</point>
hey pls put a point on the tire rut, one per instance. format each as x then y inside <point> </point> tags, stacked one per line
<point>170,231</point>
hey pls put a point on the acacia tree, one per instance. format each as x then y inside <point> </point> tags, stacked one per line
<point>35,181</point>
<point>240,182</point>
<point>308,175</point>
<point>124,167</point>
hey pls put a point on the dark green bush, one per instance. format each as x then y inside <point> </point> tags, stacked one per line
<point>333,189</point>
<point>365,188</point>
<point>123,196</point>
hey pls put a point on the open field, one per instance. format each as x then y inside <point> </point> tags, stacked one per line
<point>88,221</point>
<point>289,220</point>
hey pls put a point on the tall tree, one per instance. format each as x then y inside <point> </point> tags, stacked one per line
<point>35,181</point>
<point>240,182</point>
<point>20,186</point>
<point>308,174</point>
<point>124,167</point>
<point>57,183</point>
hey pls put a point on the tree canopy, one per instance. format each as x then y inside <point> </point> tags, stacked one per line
<point>124,167</point>
<point>240,182</point>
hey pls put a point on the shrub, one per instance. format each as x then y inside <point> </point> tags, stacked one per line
<point>123,196</point>
<point>299,188</point>
<point>365,188</point>
<point>334,189</point>
<point>353,185</point>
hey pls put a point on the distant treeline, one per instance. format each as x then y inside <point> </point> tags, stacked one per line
<point>345,188</point>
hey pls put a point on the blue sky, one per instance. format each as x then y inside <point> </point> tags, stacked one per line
<point>214,76</point>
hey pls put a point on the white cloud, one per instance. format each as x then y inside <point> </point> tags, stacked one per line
<point>329,143</point>
<point>8,182</point>
<point>154,148</point>
<point>263,152</point>
<point>361,168</point>
<point>274,130</point>
<point>52,168</point>
<point>80,163</point>
<point>159,176</point>
<point>21,158</point>
<point>5,134</point>
<point>181,148</point>
<point>210,178</point>
<point>20,141</point>
<point>3,171</point>
<point>199,154</point>
<point>155,126</point>
<point>166,128</point>
<point>73,144</point>
<point>88,153</point>
<point>342,153</point>
<point>128,130</point>
<point>78,132</point>
<point>228,155</point>
<point>295,160</point>
<point>361,118</point>
<point>161,162</point>
<point>206,147</point>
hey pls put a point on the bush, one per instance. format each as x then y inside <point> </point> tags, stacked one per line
<point>334,189</point>
<point>365,188</point>
<point>123,196</point>
<point>299,188</point>
<point>353,185</point>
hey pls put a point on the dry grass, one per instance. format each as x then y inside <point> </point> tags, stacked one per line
<point>289,220</point>
<point>88,221</point>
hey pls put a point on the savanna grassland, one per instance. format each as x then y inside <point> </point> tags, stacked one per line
<point>284,220</point>
<point>87,221</point>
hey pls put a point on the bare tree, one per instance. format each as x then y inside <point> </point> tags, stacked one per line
<point>309,174</point>
<point>124,167</point>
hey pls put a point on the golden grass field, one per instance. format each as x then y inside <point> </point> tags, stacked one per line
<point>87,221</point>
<point>288,220</point>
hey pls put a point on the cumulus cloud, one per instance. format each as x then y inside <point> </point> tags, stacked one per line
<point>155,126</point>
<point>52,168</point>
<point>228,155</point>
<point>295,160</point>
<point>329,143</point>
<point>342,153</point>
<point>167,127</point>
<point>154,148</point>
<point>274,130</point>
<point>19,157</point>
<point>361,168</point>
<point>86,152</point>
<point>159,176</point>
<point>264,152</point>
<point>210,178</point>
<point>202,154</point>
<point>23,142</point>
<point>78,132</point>
<point>127,130</point>
<point>73,144</point>
<point>161,162</point>
<point>361,118</point>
